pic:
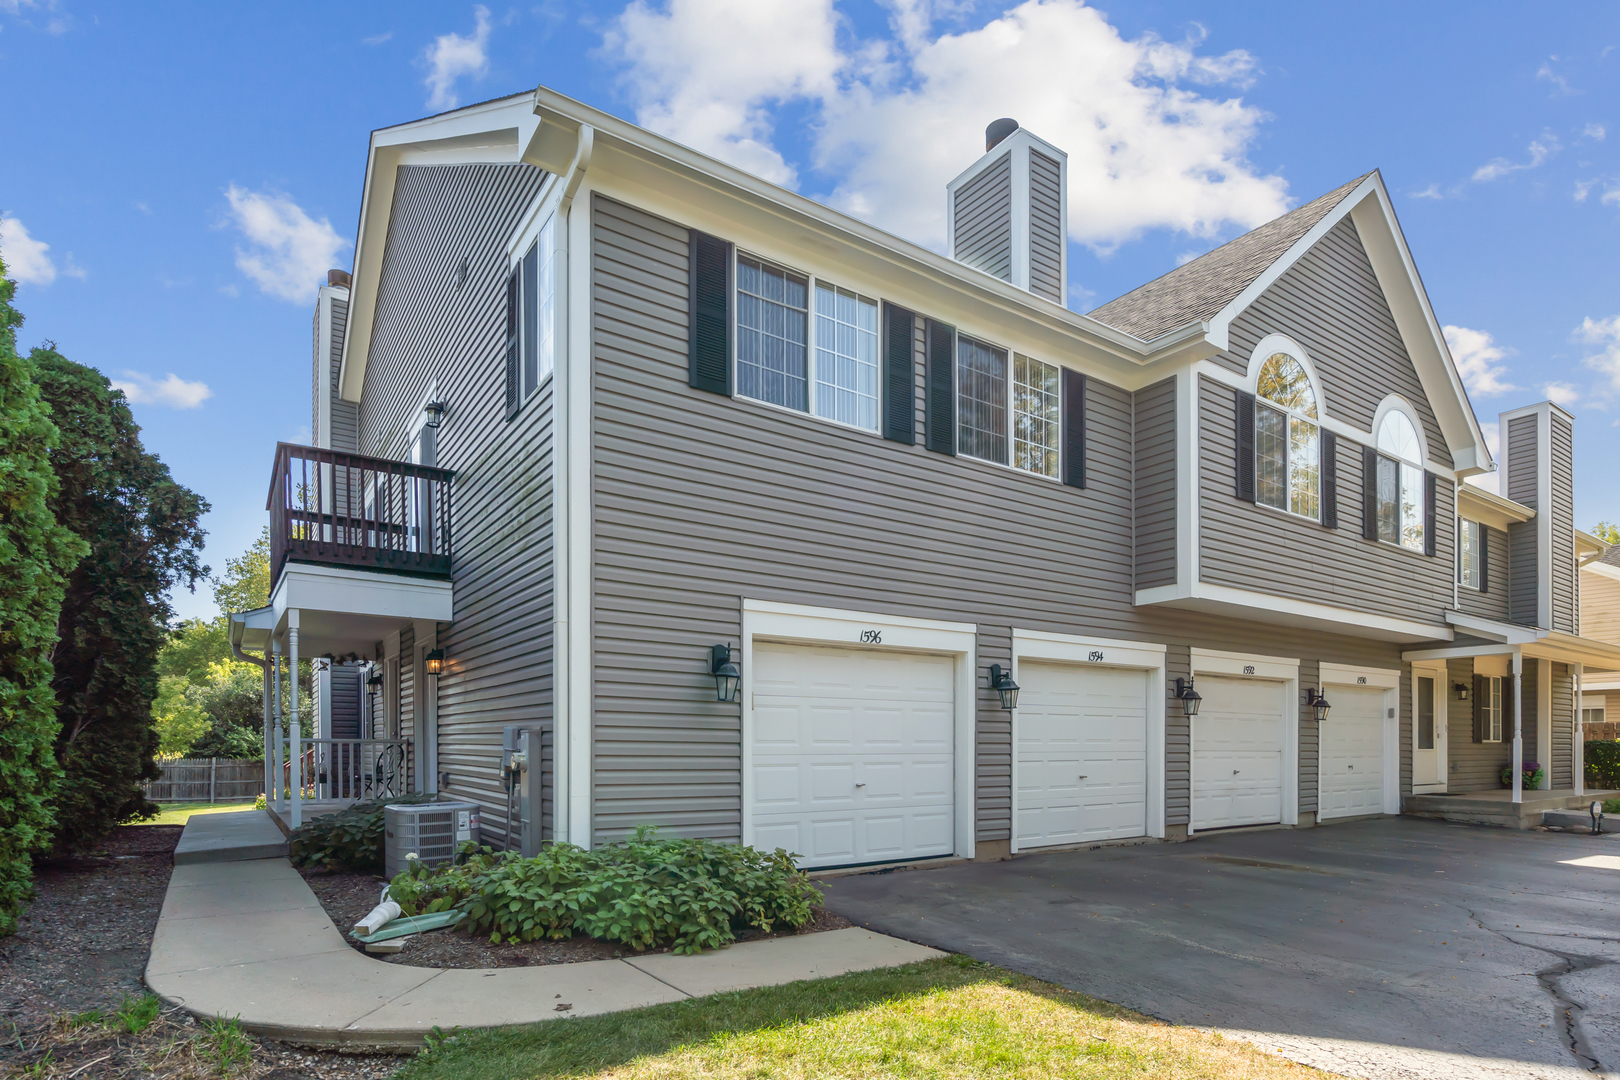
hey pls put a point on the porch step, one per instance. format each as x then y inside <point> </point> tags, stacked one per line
<point>1497,807</point>
<point>238,836</point>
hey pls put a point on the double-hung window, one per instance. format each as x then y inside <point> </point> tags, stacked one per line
<point>822,361</point>
<point>531,318</point>
<point>1400,506</point>
<point>1470,553</point>
<point>1008,407</point>
<point>1287,439</point>
<point>1490,709</point>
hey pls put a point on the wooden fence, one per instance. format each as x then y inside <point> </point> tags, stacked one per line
<point>1601,732</point>
<point>207,780</point>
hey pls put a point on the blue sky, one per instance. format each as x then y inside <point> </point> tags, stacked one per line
<point>180,176</point>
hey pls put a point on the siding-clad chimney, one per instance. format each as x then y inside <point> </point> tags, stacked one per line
<point>335,423</point>
<point>1006,214</point>
<point>1538,470</point>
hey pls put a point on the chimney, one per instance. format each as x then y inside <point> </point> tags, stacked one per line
<point>1538,470</point>
<point>1006,213</point>
<point>338,279</point>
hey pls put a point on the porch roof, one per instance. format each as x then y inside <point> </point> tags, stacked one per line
<point>1496,638</point>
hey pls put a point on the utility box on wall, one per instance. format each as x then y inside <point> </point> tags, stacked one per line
<point>527,767</point>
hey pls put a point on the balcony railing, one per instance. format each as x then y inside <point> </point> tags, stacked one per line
<point>340,509</point>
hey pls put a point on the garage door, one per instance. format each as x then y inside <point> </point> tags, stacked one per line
<point>852,754</point>
<point>1351,766</point>
<point>1237,753</point>
<point>1082,754</point>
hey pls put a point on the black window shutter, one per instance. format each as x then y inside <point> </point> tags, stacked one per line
<point>1482,690</point>
<point>709,312</point>
<point>1509,701</point>
<point>1245,445</point>
<point>1484,558</point>
<point>1428,513</point>
<point>941,388</point>
<point>1330,480</point>
<point>1369,493</point>
<point>513,395</point>
<point>899,375</point>
<point>1074,428</point>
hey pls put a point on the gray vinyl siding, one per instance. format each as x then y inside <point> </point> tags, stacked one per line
<point>1600,608</point>
<point>1331,303</point>
<point>983,216</point>
<point>1045,227</point>
<point>1310,675</point>
<point>1560,770</point>
<point>345,414</point>
<point>1472,766</point>
<point>700,501</point>
<point>1253,547</point>
<point>1155,438</point>
<point>498,650</point>
<point>1177,740</point>
<point>1492,601</point>
<point>1405,725</point>
<point>1563,526</point>
<point>404,720</point>
<point>1523,544</point>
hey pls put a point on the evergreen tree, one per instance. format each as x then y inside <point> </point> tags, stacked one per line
<point>144,538</point>
<point>35,557</point>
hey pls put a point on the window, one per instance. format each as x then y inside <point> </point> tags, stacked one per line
<point>1470,553</point>
<point>1490,710</point>
<point>531,318</point>
<point>1287,440</point>
<point>1425,713</point>
<point>1037,420</point>
<point>846,357</point>
<point>1400,482</point>
<point>1592,716</point>
<point>981,393</point>
<point>772,334</point>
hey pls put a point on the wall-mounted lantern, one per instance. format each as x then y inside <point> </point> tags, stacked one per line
<point>727,679</point>
<point>1001,681</point>
<point>1190,699</point>
<point>435,662</point>
<point>1317,701</point>
<point>374,680</point>
<point>1462,690</point>
<point>435,413</point>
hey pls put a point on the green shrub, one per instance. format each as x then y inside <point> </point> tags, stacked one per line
<point>1603,764</point>
<point>645,892</point>
<point>352,838</point>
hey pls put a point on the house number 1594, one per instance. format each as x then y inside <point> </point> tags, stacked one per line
<point>872,637</point>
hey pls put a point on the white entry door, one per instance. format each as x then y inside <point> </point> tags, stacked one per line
<point>1237,753</point>
<point>1350,771</point>
<point>1428,730</point>
<point>851,754</point>
<point>1082,754</point>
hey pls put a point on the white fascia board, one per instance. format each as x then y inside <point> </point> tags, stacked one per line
<point>304,586</point>
<point>1602,569</point>
<point>1494,629</point>
<point>493,132</point>
<point>1588,545</point>
<point>1289,611</point>
<point>1477,504</point>
<point>1359,675</point>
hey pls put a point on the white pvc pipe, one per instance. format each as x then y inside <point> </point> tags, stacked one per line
<point>380,916</point>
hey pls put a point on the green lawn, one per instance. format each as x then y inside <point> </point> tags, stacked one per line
<point>178,813</point>
<point>951,1018</point>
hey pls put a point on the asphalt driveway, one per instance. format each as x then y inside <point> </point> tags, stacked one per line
<point>1390,947</point>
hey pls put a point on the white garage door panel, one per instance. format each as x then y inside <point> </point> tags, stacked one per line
<point>852,754</point>
<point>1237,753</point>
<point>1082,754</point>
<point>1351,766</point>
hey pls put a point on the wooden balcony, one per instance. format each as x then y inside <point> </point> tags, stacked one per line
<point>337,509</point>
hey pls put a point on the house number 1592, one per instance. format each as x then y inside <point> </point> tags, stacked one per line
<point>872,637</point>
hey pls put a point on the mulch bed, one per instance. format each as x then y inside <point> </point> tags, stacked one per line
<point>83,946</point>
<point>348,897</point>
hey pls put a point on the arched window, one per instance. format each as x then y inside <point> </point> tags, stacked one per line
<point>1400,482</point>
<point>1287,441</point>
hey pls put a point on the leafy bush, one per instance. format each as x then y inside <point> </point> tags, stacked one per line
<point>1603,764</point>
<point>352,838</point>
<point>1533,775</point>
<point>689,894</point>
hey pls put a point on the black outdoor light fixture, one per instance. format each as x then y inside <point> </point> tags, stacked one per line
<point>435,413</point>
<point>1318,701</point>
<point>435,662</point>
<point>1001,681</point>
<point>1190,699</point>
<point>1461,689</point>
<point>374,680</point>
<point>727,679</point>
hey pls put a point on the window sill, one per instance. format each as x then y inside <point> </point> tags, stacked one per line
<point>803,414</point>
<point>1289,514</point>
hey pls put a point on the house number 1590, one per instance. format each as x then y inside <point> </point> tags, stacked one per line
<point>872,637</point>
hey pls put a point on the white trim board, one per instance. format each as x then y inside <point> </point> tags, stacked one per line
<point>1290,611</point>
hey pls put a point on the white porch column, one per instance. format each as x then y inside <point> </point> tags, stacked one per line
<point>1518,725</point>
<point>264,727</point>
<point>295,816</point>
<point>280,789</point>
<point>1577,737</point>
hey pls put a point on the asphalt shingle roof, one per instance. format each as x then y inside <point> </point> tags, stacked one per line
<point>1200,289</point>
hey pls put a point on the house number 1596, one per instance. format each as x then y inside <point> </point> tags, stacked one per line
<point>872,637</point>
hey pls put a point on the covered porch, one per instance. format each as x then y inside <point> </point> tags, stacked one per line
<point>360,568</point>
<point>1495,733</point>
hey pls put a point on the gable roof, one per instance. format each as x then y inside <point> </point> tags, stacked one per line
<point>1198,291</point>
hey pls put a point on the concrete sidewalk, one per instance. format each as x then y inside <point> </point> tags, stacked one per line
<point>232,836</point>
<point>250,940</point>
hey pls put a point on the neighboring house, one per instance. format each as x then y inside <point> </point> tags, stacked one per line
<point>595,404</point>
<point>1600,619</point>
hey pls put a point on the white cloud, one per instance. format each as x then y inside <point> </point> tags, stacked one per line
<point>1584,188</point>
<point>1491,481</point>
<point>896,119</point>
<point>1431,192</point>
<point>1604,333</point>
<point>1611,196</point>
<point>1540,150</point>
<point>27,259</point>
<point>1479,360</point>
<point>290,252</point>
<point>1547,74</point>
<point>1595,132</point>
<point>452,56</point>
<point>1561,393</point>
<point>172,390</point>
<point>377,39</point>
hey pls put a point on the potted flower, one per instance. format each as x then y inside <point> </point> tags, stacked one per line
<point>1533,775</point>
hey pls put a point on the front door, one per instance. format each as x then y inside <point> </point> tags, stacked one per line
<point>1428,732</point>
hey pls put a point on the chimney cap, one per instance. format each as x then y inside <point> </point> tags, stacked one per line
<point>338,279</point>
<point>997,131</point>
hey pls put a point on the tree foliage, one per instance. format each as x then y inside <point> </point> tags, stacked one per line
<point>36,555</point>
<point>144,538</point>
<point>179,722</point>
<point>246,582</point>
<point>1607,531</point>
